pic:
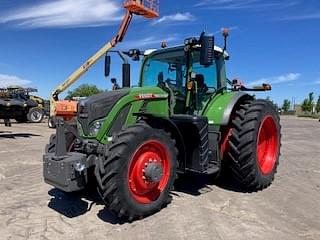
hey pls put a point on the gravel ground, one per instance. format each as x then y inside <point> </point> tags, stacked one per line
<point>289,209</point>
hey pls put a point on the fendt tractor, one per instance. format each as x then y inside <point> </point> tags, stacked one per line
<point>184,116</point>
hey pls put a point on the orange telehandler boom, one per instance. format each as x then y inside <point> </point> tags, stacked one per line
<point>66,109</point>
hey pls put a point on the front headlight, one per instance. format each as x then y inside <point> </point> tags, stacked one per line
<point>95,127</point>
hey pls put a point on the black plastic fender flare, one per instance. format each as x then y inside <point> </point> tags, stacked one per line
<point>234,101</point>
<point>165,123</point>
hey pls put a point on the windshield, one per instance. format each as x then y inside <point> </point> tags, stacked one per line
<point>165,68</point>
<point>170,68</point>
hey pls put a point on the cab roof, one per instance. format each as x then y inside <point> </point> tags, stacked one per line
<point>181,47</point>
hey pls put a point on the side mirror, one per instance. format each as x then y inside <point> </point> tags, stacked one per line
<point>107,64</point>
<point>206,50</point>
<point>126,75</point>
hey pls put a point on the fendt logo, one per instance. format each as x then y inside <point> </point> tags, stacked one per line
<point>150,96</point>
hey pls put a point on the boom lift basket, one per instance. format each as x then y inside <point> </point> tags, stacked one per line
<point>145,8</point>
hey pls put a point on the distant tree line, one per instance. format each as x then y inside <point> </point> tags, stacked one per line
<point>84,90</point>
<point>308,106</point>
<point>286,105</point>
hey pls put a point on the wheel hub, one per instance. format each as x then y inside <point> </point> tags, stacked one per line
<point>149,171</point>
<point>35,116</point>
<point>153,172</point>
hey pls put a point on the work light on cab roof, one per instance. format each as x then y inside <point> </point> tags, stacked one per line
<point>145,8</point>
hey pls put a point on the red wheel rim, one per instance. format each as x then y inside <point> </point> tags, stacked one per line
<point>224,147</point>
<point>71,147</point>
<point>141,189</point>
<point>267,145</point>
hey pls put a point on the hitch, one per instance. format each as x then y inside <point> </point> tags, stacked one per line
<point>61,147</point>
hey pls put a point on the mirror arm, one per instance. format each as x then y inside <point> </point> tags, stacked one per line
<point>123,57</point>
<point>225,45</point>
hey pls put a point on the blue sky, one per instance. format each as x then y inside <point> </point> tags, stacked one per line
<point>274,41</point>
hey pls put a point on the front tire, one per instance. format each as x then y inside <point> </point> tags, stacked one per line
<point>254,144</point>
<point>52,122</point>
<point>137,172</point>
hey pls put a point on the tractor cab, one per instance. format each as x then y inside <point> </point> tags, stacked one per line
<point>180,72</point>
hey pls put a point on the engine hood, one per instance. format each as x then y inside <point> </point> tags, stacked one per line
<point>98,107</point>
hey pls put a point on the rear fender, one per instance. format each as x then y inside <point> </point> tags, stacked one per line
<point>219,110</point>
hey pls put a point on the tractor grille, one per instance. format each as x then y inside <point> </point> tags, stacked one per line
<point>97,107</point>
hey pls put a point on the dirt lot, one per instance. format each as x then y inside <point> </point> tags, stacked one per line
<point>289,209</point>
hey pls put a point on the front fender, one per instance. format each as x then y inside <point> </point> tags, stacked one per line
<point>148,99</point>
<point>161,122</point>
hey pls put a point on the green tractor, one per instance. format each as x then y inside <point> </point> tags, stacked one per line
<point>183,117</point>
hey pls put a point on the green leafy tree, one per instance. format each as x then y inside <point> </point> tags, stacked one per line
<point>311,102</point>
<point>318,106</point>
<point>305,106</point>
<point>286,105</point>
<point>84,90</point>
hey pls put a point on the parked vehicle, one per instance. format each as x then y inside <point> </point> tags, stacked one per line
<point>185,116</point>
<point>17,103</point>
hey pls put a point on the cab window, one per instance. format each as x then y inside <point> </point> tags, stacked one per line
<point>206,76</point>
<point>166,68</point>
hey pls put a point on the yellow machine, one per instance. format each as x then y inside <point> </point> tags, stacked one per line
<point>17,103</point>
<point>146,8</point>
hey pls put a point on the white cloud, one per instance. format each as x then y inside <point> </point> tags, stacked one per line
<point>317,82</point>
<point>65,13</point>
<point>8,80</point>
<point>243,4</point>
<point>178,17</point>
<point>235,4</point>
<point>310,16</point>
<point>289,77</point>
<point>148,42</point>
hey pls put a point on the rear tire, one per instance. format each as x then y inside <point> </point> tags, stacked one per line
<point>121,172</point>
<point>35,115</point>
<point>254,144</point>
